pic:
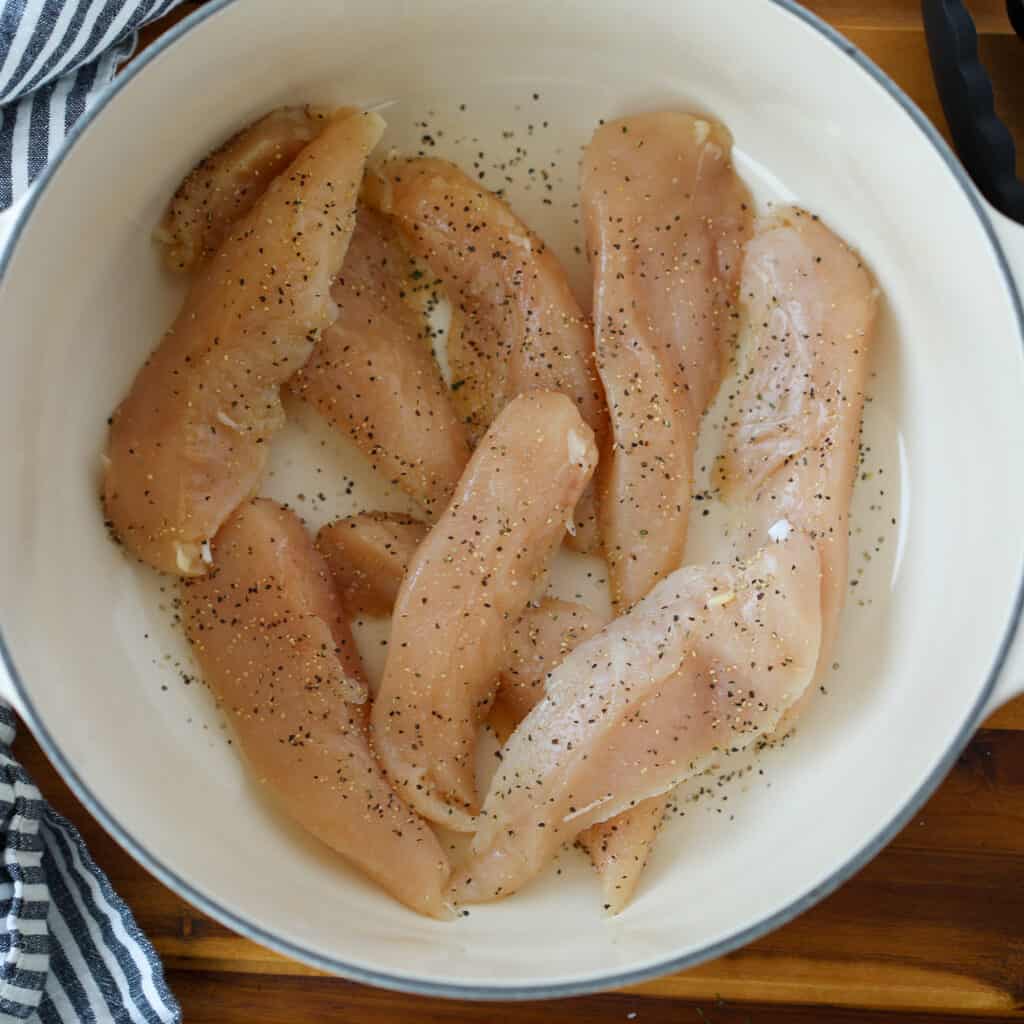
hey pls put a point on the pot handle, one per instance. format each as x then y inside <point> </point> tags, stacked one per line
<point>983,143</point>
<point>987,151</point>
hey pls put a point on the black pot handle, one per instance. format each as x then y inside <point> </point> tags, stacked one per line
<point>982,141</point>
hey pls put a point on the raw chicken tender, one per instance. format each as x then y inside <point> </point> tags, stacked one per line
<point>189,442</point>
<point>373,374</point>
<point>273,641</point>
<point>229,182</point>
<point>536,645</point>
<point>666,217</point>
<point>792,443</point>
<point>368,555</point>
<point>469,581</point>
<point>620,847</point>
<point>709,661</point>
<point>516,325</point>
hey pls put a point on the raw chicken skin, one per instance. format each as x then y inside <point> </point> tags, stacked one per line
<point>666,217</point>
<point>368,555</point>
<point>707,662</point>
<point>229,182</point>
<point>468,582</point>
<point>516,325</point>
<point>189,442</point>
<point>792,439</point>
<point>274,645</point>
<point>374,377</point>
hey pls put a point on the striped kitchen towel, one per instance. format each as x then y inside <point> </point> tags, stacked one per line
<point>71,950</point>
<point>55,58</point>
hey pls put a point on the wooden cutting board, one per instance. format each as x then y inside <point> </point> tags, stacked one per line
<point>932,930</point>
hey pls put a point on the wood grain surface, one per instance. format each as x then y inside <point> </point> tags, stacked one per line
<point>931,931</point>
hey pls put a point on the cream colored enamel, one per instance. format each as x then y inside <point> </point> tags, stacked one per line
<point>892,708</point>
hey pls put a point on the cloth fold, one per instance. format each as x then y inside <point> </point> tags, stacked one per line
<point>56,57</point>
<point>70,950</point>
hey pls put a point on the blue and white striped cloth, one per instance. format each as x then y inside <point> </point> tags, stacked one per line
<point>71,950</point>
<point>55,57</point>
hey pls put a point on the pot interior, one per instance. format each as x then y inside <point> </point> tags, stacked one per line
<point>515,89</point>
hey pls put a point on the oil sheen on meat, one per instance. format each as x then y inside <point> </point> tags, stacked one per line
<point>666,217</point>
<point>789,464</point>
<point>791,448</point>
<point>536,646</point>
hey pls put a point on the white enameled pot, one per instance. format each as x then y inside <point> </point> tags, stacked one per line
<point>928,640</point>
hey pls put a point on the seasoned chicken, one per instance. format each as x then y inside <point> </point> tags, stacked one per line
<point>373,374</point>
<point>792,440</point>
<point>705,664</point>
<point>620,847</point>
<point>790,461</point>
<point>274,645</point>
<point>535,646</point>
<point>516,325</point>
<point>666,217</point>
<point>468,582</point>
<point>189,442</point>
<point>791,447</point>
<point>368,555</point>
<point>228,183</point>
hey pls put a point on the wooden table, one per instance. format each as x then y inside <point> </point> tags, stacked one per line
<point>932,930</point>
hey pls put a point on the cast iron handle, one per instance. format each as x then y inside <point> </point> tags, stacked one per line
<point>982,141</point>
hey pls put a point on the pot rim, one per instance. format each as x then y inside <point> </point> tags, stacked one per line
<point>668,965</point>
